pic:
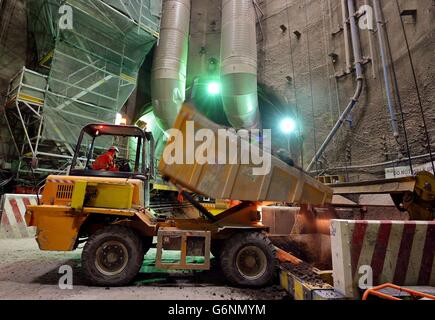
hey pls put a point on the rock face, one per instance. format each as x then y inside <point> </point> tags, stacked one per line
<point>309,48</point>
<point>13,53</point>
<point>13,40</point>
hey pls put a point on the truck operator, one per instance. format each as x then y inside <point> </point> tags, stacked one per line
<point>107,160</point>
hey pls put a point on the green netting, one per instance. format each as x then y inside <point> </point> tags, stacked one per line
<point>93,66</point>
<point>146,12</point>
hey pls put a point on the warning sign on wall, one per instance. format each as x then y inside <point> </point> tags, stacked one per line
<point>405,171</point>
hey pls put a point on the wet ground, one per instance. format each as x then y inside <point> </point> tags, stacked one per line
<point>28,273</point>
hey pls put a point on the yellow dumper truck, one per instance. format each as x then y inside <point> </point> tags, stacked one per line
<point>110,212</point>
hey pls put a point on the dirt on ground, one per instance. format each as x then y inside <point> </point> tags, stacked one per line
<point>28,273</point>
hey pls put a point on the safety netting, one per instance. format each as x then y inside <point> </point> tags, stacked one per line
<point>92,51</point>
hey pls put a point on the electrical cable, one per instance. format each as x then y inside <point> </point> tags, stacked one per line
<point>311,85</point>
<point>298,113</point>
<point>5,182</point>
<point>327,63</point>
<point>399,102</point>
<point>369,166</point>
<point>35,183</point>
<point>411,60</point>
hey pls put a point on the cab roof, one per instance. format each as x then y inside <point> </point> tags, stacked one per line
<point>105,129</point>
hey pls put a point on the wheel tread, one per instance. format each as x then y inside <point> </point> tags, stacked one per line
<point>129,273</point>
<point>228,265</point>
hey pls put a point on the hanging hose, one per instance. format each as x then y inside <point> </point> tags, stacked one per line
<point>5,182</point>
<point>399,102</point>
<point>382,44</point>
<point>35,184</point>
<point>311,88</point>
<point>411,60</point>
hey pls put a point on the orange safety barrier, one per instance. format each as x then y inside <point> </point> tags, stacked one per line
<point>375,292</point>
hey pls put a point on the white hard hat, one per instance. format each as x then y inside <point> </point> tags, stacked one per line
<point>114,148</point>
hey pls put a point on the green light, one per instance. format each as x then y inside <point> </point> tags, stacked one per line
<point>214,88</point>
<point>288,126</point>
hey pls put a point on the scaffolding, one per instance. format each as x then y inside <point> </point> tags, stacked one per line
<point>86,73</point>
<point>23,113</point>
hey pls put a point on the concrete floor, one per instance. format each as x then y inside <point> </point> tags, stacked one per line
<point>28,273</point>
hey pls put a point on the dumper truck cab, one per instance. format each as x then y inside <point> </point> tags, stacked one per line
<point>109,211</point>
<point>93,136</point>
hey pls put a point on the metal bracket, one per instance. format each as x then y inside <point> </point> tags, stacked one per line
<point>187,242</point>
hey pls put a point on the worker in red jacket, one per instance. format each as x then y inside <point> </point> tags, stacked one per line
<point>107,160</point>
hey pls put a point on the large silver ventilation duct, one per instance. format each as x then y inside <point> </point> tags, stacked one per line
<point>239,63</point>
<point>168,79</point>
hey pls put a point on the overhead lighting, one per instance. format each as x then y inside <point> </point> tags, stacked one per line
<point>214,88</point>
<point>288,125</point>
<point>120,120</point>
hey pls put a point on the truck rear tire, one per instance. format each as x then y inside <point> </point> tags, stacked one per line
<point>112,256</point>
<point>248,259</point>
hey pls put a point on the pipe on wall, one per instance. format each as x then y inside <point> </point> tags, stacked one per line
<point>239,63</point>
<point>382,46</point>
<point>374,165</point>
<point>344,13</point>
<point>356,44</point>
<point>168,79</point>
<point>372,51</point>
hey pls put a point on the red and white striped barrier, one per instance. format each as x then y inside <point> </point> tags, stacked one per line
<point>12,211</point>
<point>399,252</point>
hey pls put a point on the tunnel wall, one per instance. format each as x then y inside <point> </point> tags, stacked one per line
<point>319,96</point>
<point>13,55</point>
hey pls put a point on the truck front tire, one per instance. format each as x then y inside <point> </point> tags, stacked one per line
<point>112,256</point>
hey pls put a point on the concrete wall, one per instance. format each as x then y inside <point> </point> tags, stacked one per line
<point>205,37</point>
<point>396,252</point>
<point>13,41</point>
<point>320,97</point>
